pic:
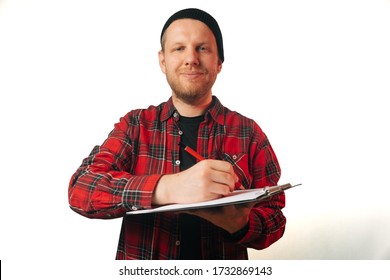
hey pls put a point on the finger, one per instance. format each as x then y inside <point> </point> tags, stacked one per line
<point>249,205</point>
<point>190,212</point>
<point>223,178</point>
<point>196,212</point>
<point>219,190</point>
<point>225,174</point>
<point>222,166</point>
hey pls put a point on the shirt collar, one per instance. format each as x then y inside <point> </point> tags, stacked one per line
<point>167,110</point>
<point>215,111</point>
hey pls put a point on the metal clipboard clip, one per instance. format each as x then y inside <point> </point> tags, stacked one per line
<point>270,191</point>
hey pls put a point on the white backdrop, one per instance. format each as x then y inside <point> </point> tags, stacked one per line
<point>313,74</point>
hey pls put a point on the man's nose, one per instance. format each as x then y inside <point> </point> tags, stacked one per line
<point>192,57</point>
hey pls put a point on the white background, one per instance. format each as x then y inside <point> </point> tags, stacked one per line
<point>315,75</point>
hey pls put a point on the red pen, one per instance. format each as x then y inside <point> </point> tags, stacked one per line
<point>199,157</point>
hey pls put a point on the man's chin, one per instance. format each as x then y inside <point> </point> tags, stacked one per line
<point>190,98</point>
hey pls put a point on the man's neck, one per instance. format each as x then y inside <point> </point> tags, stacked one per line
<point>192,110</point>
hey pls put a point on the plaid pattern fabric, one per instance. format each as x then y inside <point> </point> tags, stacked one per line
<point>121,174</point>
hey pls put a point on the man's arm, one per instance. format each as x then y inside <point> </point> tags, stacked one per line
<point>102,187</point>
<point>261,224</point>
<point>97,190</point>
<point>266,219</point>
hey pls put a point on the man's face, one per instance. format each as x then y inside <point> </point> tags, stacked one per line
<point>190,60</point>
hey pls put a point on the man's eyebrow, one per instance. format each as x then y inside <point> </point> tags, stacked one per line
<point>197,44</point>
<point>177,43</point>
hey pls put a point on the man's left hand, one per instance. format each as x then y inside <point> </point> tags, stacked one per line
<point>232,218</point>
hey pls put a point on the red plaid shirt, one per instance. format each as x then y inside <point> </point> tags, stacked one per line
<point>121,174</point>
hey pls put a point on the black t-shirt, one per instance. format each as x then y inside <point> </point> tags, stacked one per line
<point>189,225</point>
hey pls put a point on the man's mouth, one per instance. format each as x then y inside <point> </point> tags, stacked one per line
<point>192,74</point>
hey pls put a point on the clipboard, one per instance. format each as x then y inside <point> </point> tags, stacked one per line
<point>236,197</point>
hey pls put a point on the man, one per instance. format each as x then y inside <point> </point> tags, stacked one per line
<point>141,164</point>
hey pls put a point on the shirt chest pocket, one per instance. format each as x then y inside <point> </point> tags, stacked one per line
<point>241,167</point>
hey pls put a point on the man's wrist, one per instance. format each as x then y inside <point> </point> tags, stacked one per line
<point>160,194</point>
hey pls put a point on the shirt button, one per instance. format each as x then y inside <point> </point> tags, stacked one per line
<point>177,162</point>
<point>175,114</point>
<point>177,243</point>
<point>234,157</point>
<point>180,132</point>
<point>134,208</point>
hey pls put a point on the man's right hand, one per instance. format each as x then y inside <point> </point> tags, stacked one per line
<point>206,180</point>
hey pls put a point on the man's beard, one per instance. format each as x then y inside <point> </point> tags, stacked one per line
<point>190,94</point>
<point>191,97</point>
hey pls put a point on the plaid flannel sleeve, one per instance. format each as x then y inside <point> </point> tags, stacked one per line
<point>266,220</point>
<point>102,187</point>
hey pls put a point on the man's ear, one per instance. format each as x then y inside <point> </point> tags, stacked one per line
<point>161,60</point>
<point>219,66</point>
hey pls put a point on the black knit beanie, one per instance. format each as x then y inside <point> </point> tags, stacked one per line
<point>203,17</point>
